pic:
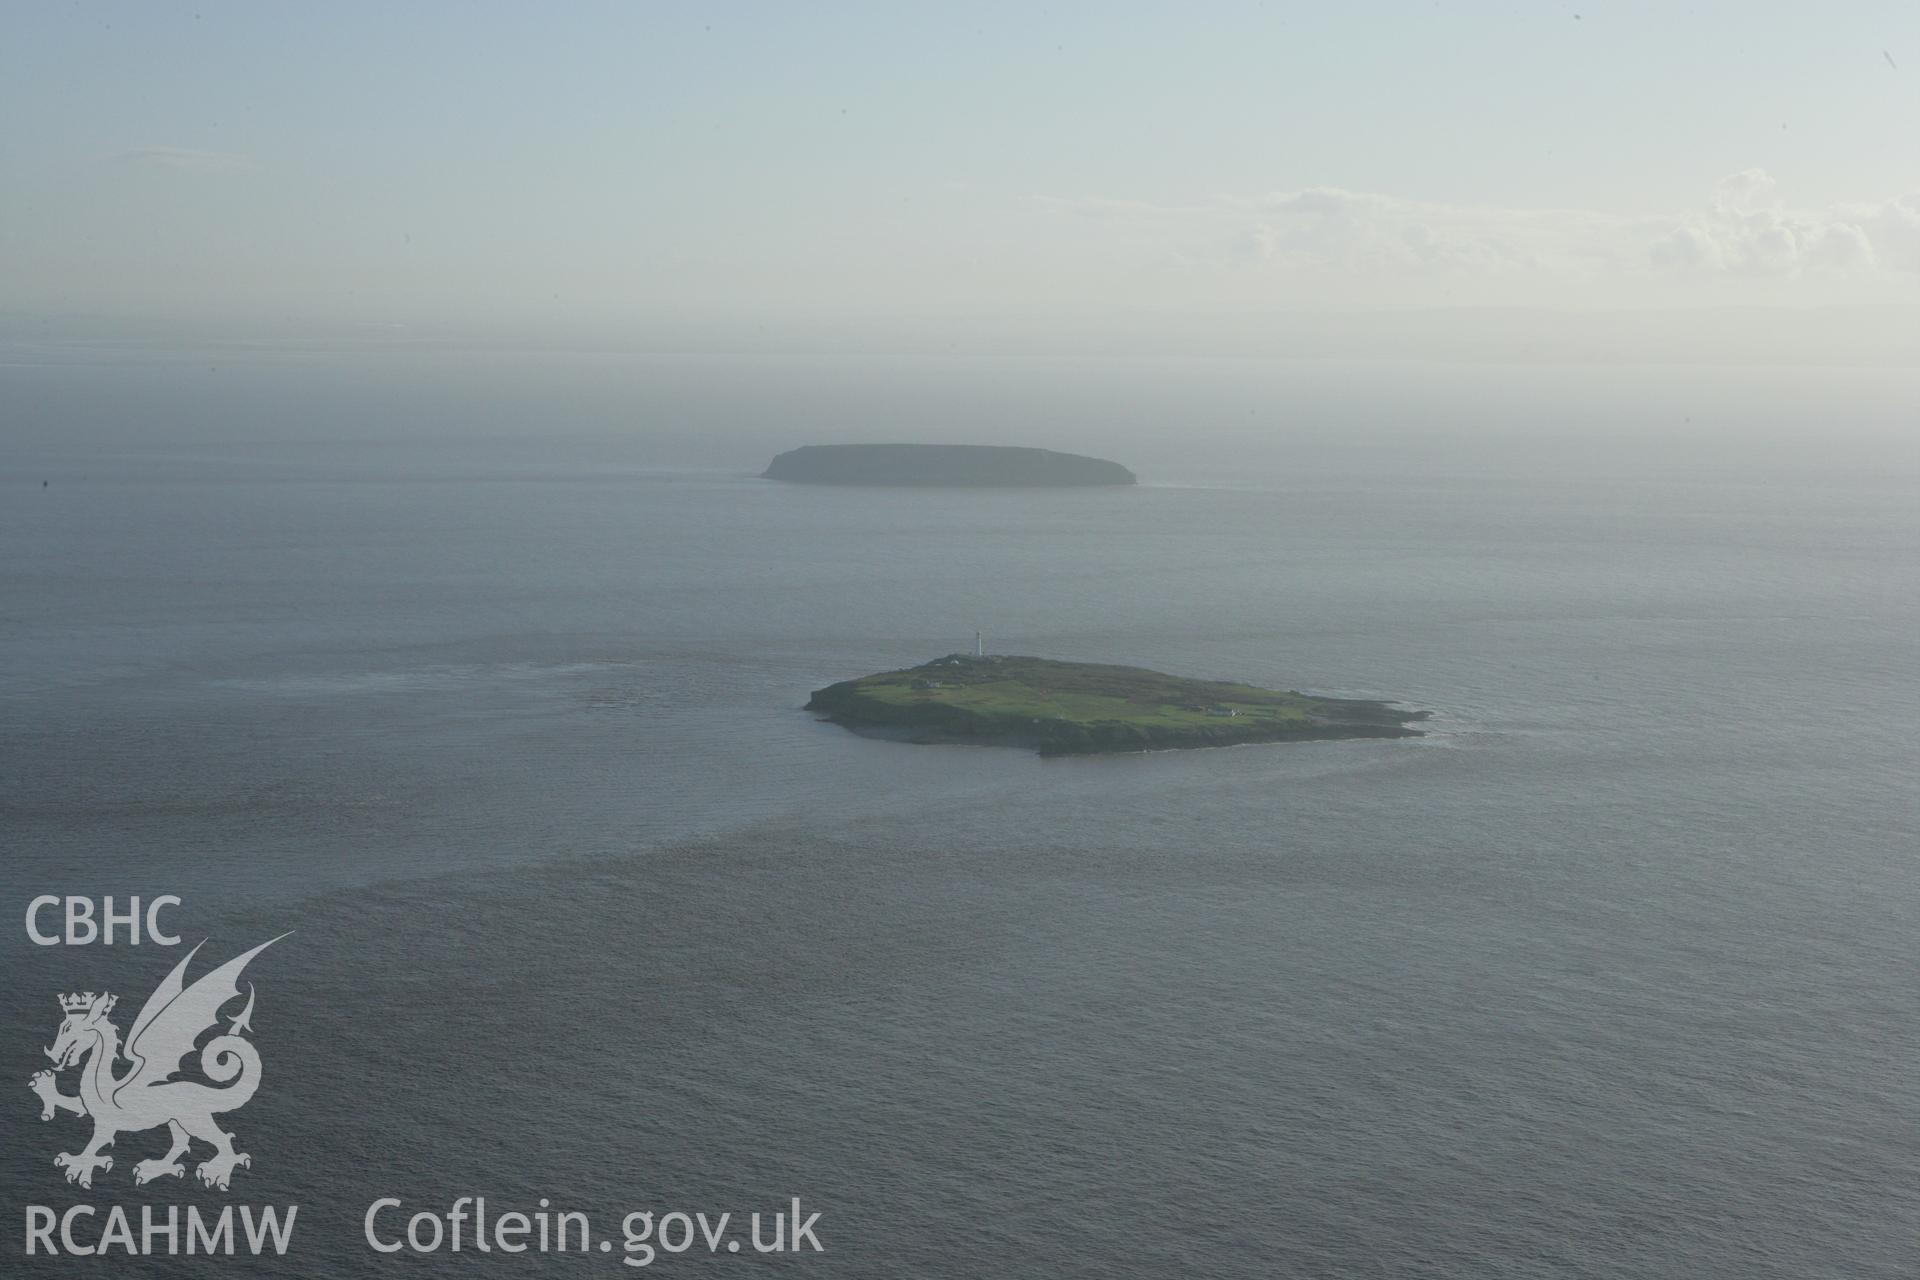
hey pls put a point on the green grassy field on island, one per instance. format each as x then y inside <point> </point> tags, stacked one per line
<point>1075,707</point>
<point>1042,699</point>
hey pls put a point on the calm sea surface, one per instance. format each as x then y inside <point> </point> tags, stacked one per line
<point>1613,975</point>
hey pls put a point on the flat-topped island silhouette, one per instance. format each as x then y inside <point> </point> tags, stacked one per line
<point>1081,708</point>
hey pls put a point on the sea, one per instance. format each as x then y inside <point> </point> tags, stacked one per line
<point>481,675</point>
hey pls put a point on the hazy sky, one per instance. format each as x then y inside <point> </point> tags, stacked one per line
<point>519,165</point>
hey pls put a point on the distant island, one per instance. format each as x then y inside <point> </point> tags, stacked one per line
<point>959,465</point>
<point>1080,708</point>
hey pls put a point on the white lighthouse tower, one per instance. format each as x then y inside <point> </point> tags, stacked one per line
<point>979,646</point>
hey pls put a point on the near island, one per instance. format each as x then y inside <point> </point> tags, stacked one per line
<point>1079,708</point>
<point>956,465</point>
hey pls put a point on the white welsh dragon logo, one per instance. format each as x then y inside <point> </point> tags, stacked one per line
<point>147,1096</point>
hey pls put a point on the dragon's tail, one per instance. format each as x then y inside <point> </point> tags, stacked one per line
<point>231,1058</point>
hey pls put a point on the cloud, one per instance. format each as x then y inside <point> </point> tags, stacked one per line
<point>1741,230</point>
<point>1746,231</point>
<point>187,160</point>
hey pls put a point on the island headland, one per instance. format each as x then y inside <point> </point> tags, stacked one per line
<point>956,465</point>
<point>1083,708</point>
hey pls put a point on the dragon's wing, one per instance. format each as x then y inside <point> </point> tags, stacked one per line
<point>163,995</point>
<point>173,1017</point>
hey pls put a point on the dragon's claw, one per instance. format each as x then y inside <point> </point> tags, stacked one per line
<point>218,1170</point>
<point>47,1086</point>
<point>80,1168</point>
<point>147,1170</point>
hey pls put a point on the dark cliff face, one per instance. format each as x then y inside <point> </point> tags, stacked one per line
<point>975,465</point>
